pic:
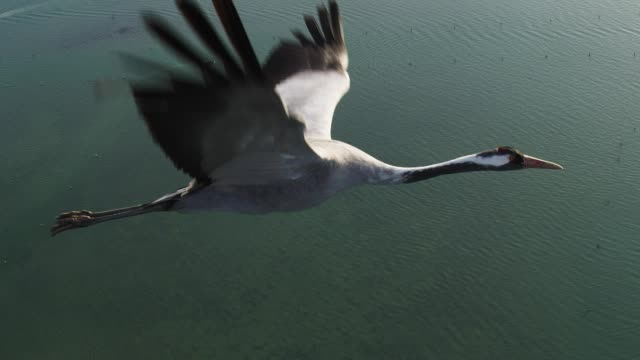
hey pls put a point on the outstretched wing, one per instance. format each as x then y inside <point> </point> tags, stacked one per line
<point>208,119</point>
<point>311,76</point>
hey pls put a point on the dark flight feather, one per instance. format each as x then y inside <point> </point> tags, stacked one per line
<point>336,22</point>
<point>209,36</point>
<point>235,31</point>
<point>165,33</point>
<point>163,107</point>
<point>187,113</point>
<point>302,38</point>
<point>314,30</point>
<point>323,15</point>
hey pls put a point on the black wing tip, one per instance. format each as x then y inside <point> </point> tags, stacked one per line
<point>236,32</point>
<point>187,5</point>
<point>329,31</point>
<point>207,33</point>
<point>325,23</point>
<point>197,19</point>
<point>168,36</point>
<point>151,19</point>
<point>336,22</point>
<point>302,38</point>
<point>314,30</point>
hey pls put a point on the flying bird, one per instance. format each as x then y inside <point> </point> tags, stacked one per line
<point>256,138</point>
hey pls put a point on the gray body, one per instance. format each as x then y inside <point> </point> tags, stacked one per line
<point>340,167</point>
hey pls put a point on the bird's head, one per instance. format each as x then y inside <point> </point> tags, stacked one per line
<point>508,158</point>
<point>498,159</point>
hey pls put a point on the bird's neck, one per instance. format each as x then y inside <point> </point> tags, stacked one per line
<point>406,175</point>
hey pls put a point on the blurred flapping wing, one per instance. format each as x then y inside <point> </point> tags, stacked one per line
<point>248,123</point>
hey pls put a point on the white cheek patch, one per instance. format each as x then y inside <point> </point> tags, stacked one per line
<point>495,160</point>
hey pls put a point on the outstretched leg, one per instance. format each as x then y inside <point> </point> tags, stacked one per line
<point>83,218</point>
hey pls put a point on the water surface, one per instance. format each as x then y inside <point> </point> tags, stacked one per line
<point>519,265</point>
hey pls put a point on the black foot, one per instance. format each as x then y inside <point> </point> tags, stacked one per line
<point>74,213</point>
<point>71,220</point>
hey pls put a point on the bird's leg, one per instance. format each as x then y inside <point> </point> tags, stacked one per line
<point>83,218</point>
<point>79,213</point>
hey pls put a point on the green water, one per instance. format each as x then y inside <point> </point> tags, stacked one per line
<point>518,265</point>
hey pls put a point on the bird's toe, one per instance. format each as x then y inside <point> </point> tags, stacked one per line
<point>71,220</point>
<point>75,213</point>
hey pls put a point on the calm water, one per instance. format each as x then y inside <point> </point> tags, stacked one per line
<point>521,265</point>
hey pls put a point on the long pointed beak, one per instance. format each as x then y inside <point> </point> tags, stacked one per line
<point>534,163</point>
